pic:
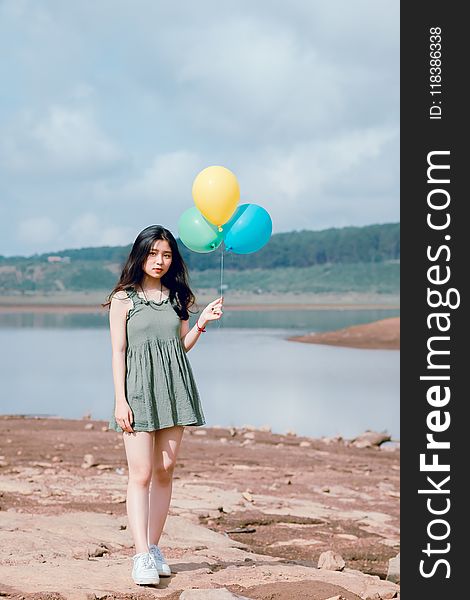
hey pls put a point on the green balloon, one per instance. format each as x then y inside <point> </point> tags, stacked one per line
<point>197,233</point>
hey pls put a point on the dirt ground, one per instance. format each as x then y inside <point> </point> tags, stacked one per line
<point>281,499</point>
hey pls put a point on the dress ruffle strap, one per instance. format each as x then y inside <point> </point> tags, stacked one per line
<point>132,293</point>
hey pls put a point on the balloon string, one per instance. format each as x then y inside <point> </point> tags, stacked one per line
<point>221,275</point>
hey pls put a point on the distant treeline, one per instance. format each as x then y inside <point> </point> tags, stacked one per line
<point>371,243</point>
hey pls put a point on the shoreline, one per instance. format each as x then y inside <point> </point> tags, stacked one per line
<point>262,428</point>
<point>82,308</point>
<point>378,335</point>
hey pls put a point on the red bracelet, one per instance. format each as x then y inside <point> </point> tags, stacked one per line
<point>202,329</point>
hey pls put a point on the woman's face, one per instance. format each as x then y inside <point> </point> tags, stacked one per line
<point>158,260</point>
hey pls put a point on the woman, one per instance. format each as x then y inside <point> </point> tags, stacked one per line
<point>155,391</point>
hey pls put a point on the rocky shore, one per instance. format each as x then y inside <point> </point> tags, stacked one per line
<point>254,514</point>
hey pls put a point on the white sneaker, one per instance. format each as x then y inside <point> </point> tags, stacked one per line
<point>145,569</point>
<point>162,566</point>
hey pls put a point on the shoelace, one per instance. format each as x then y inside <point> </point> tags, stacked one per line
<point>147,561</point>
<point>159,554</point>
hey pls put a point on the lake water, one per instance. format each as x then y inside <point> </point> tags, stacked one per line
<point>246,371</point>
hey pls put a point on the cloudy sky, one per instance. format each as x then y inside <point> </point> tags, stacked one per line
<point>110,108</point>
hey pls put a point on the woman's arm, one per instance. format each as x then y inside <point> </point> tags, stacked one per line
<point>120,304</point>
<point>212,311</point>
<point>190,337</point>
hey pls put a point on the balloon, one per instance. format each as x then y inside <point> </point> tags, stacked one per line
<point>197,233</point>
<point>248,230</point>
<point>216,194</point>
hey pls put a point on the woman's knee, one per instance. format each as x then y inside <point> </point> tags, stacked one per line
<point>141,476</point>
<point>164,473</point>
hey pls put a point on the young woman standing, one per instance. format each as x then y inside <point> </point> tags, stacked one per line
<point>155,391</point>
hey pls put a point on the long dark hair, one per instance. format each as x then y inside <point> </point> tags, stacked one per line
<point>176,279</point>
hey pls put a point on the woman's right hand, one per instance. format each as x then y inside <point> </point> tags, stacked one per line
<point>124,416</point>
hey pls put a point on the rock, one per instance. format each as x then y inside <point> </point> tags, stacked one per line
<point>118,499</point>
<point>89,426</point>
<point>266,428</point>
<point>56,459</point>
<point>223,440</point>
<point>394,569</point>
<point>233,431</point>
<point>200,432</point>
<point>336,598</point>
<point>85,552</point>
<point>210,594</point>
<point>88,461</point>
<point>247,496</point>
<point>305,444</point>
<point>249,435</point>
<point>97,551</point>
<point>246,442</point>
<point>332,561</point>
<point>332,440</point>
<point>370,438</point>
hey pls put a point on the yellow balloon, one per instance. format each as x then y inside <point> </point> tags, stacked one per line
<point>216,194</point>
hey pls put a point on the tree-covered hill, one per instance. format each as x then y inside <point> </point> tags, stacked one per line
<point>345,259</point>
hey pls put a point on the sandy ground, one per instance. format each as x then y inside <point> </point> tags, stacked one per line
<point>234,300</point>
<point>384,335</point>
<point>251,512</point>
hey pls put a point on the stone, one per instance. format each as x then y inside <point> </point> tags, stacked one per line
<point>332,561</point>
<point>89,426</point>
<point>118,499</point>
<point>305,444</point>
<point>88,461</point>
<point>332,440</point>
<point>370,438</point>
<point>210,594</point>
<point>394,569</point>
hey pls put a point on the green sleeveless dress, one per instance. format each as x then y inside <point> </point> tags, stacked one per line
<point>160,386</point>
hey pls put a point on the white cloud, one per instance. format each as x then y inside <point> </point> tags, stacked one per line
<point>168,178</point>
<point>294,184</point>
<point>65,140</point>
<point>37,231</point>
<point>89,229</point>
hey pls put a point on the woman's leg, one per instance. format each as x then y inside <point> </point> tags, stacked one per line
<point>166,445</point>
<point>139,451</point>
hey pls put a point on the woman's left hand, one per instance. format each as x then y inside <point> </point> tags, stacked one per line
<point>213,310</point>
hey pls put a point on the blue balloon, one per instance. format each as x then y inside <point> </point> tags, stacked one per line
<point>248,230</point>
